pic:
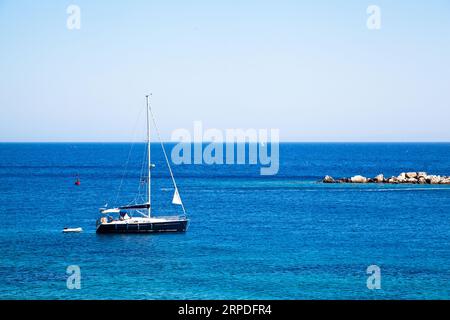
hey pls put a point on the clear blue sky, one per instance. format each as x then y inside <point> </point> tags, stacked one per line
<point>310,68</point>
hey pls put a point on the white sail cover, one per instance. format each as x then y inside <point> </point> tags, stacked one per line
<point>176,197</point>
<point>114,210</point>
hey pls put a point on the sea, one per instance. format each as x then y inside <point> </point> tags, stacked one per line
<point>250,236</point>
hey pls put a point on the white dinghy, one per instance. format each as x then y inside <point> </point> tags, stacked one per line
<point>67,230</point>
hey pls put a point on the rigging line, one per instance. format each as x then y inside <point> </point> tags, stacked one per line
<point>129,155</point>
<point>123,175</point>
<point>165,156</point>
<point>139,195</point>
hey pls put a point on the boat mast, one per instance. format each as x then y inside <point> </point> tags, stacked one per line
<point>148,157</point>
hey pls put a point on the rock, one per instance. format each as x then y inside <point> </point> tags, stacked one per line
<point>359,179</point>
<point>393,180</point>
<point>422,174</point>
<point>435,180</point>
<point>411,175</point>
<point>422,180</point>
<point>411,180</point>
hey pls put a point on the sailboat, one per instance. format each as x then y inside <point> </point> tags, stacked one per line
<point>123,219</point>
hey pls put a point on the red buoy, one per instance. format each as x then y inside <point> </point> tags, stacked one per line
<point>77,183</point>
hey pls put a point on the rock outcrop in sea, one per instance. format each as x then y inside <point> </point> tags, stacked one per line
<point>404,177</point>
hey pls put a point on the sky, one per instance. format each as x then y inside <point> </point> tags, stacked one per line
<point>312,69</point>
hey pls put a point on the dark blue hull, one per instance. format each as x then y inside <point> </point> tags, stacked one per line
<point>156,227</point>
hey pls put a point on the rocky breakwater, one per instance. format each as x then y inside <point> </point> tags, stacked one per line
<point>405,178</point>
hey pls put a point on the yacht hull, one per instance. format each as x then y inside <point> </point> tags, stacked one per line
<point>147,227</point>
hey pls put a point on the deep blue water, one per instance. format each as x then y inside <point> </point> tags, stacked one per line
<point>250,237</point>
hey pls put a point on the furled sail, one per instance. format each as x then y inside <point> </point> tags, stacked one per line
<point>130,207</point>
<point>107,211</point>
<point>176,197</point>
<point>136,206</point>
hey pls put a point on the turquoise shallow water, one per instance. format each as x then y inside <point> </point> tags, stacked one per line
<point>250,237</point>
